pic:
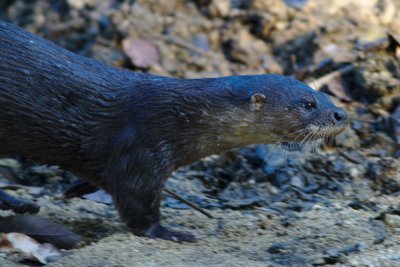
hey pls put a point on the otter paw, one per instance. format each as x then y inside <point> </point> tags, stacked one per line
<point>159,231</point>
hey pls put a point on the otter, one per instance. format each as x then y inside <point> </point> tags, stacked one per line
<point>126,132</point>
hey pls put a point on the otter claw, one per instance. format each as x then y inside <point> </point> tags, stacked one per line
<point>159,231</point>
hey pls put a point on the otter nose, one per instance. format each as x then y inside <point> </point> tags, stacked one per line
<point>340,116</point>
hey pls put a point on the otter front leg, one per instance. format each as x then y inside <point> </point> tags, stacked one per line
<point>136,191</point>
<point>144,220</point>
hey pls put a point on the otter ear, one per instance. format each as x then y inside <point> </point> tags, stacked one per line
<point>256,101</point>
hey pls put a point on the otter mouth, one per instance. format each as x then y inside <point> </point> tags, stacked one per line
<point>318,132</point>
<point>313,133</point>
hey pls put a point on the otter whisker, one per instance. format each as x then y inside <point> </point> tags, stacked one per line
<point>310,134</point>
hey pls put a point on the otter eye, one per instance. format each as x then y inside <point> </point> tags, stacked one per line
<point>309,105</point>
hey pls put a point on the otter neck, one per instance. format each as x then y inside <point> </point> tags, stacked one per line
<point>221,129</point>
<point>234,129</point>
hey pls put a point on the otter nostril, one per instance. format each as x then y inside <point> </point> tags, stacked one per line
<point>337,116</point>
<point>340,116</point>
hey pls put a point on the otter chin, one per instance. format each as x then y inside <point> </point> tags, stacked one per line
<point>126,132</point>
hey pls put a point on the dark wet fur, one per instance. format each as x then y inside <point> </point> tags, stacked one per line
<point>126,132</point>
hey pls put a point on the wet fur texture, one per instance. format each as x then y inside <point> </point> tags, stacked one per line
<point>126,132</point>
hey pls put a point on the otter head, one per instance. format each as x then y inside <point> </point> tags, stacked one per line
<point>291,110</point>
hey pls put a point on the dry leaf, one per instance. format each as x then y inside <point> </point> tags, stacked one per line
<point>142,53</point>
<point>100,196</point>
<point>296,3</point>
<point>394,44</point>
<point>41,229</point>
<point>339,88</point>
<point>30,248</point>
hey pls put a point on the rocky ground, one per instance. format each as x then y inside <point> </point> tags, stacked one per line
<point>325,205</point>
